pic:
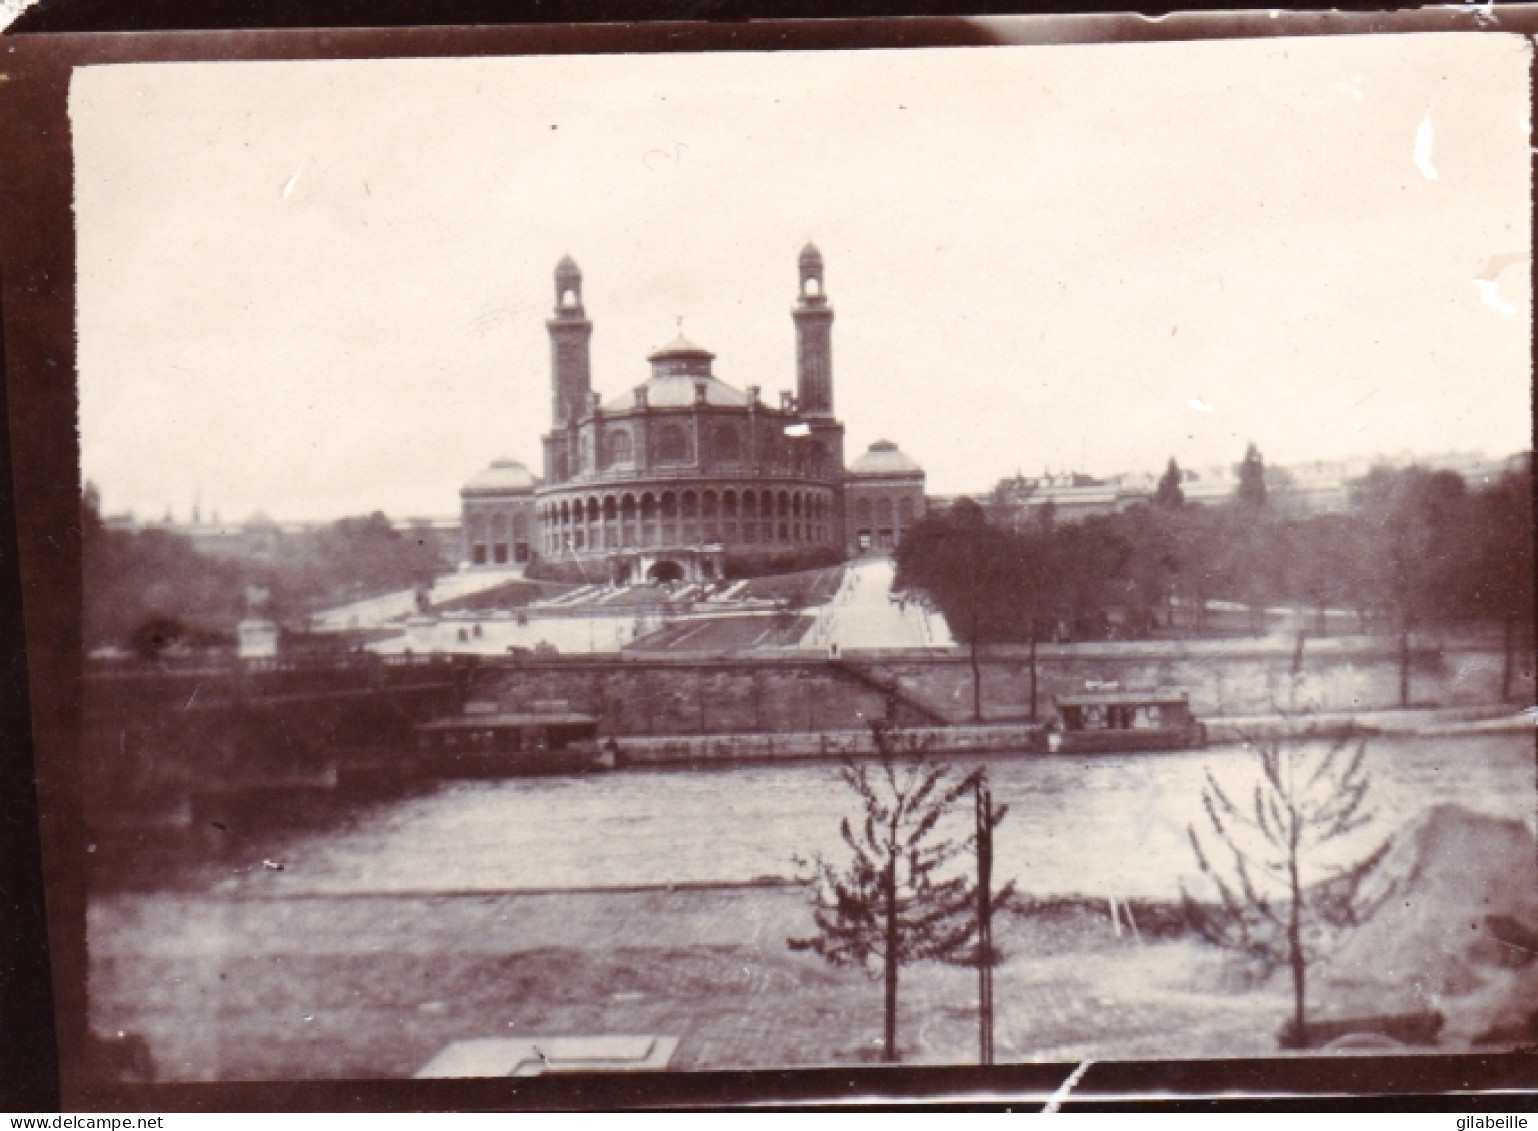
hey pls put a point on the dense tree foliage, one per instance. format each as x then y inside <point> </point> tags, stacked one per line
<point>967,568</point>
<point>1252,478</point>
<point>147,589</point>
<point>1169,495</point>
<point>151,588</point>
<point>1417,549</point>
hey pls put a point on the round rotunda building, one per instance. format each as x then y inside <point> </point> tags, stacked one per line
<point>686,477</point>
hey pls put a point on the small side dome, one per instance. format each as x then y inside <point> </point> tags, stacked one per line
<point>567,269</point>
<point>503,477</point>
<point>810,256</point>
<point>885,458</point>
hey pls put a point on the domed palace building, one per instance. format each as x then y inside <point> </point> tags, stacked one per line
<point>883,496</point>
<point>686,477</point>
<point>497,519</point>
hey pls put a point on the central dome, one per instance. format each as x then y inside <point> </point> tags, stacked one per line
<point>679,347</point>
<point>679,370</point>
<point>677,390</point>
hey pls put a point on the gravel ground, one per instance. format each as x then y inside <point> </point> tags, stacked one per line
<point>371,986</point>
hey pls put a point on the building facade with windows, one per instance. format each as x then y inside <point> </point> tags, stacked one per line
<point>497,522</point>
<point>684,476</point>
<point>883,496</point>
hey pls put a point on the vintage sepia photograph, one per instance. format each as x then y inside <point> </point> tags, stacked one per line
<point>1014,554</point>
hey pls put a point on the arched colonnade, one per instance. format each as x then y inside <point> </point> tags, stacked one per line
<point>743,516</point>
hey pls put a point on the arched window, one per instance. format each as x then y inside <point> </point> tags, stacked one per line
<point>610,508</point>
<point>784,506</point>
<point>862,512</point>
<point>500,524</point>
<point>520,527</point>
<point>627,508</point>
<point>727,445</point>
<point>672,444</point>
<point>690,504</point>
<point>811,289</point>
<point>708,504</point>
<point>592,508</point>
<point>568,298</point>
<point>669,505</point>
<point>648,507</point>
<point>565,514</point>
<point>795,504</point>
<point>884,511</point>
<point>905,511</point>
<point>729,504</point>
<point>620,450</point>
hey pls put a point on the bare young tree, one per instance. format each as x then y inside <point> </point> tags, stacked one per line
<point>895,901</point>
<point>1283,895</point>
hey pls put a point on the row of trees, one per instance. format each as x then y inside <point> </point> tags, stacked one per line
<point>1285,877</point>
<point>1417,549</point>
<point>144,587</point>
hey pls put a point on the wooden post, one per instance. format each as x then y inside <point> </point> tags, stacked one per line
<point>984,921</point>
<point>889,1049</point>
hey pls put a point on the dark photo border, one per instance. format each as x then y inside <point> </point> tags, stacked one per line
<point>41,829</point>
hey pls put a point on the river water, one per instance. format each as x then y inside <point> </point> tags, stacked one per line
<point>1101,825</point>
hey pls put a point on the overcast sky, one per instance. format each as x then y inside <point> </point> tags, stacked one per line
<point>319,288</point>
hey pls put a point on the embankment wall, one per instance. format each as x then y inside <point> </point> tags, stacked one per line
<point>691,695</point>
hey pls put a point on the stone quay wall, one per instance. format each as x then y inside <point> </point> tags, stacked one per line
<point>945,742</point>
<point>683,695</point>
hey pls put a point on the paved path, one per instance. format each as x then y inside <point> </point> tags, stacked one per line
<point>863,614</point>
<point>375,612</point>
<point>1422,721</point>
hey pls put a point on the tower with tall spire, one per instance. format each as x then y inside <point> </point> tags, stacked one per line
<point>814,338</point>
<point>570,368</point>
<point>684,476</point>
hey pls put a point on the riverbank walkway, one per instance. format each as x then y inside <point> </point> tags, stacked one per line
<point>864,614</point>
<point>1417,721</point>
